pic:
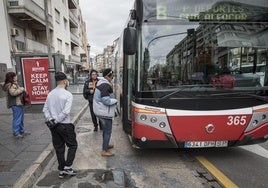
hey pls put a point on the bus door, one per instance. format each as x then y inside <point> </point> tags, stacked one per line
<point>127,92</point>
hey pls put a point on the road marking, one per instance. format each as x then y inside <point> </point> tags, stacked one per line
<point>257,149</point>
<point>226,182</point>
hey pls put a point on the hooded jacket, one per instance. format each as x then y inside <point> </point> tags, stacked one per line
<point>104,102</point>
<point>14,93</point>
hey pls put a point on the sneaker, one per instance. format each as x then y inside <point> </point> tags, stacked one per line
<point>18,136</point>
<point>69,171</point>
<point>106,154</point>
<point>62,174</point>
<point>95,129</point>
<point>26,133</point>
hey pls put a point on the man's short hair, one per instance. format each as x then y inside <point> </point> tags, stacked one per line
<point>60,76</point>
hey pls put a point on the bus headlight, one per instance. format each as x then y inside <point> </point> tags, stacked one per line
<point>153,119</point>
<point>162,125</point>
<point>143,117</point>
<point>255,123</point>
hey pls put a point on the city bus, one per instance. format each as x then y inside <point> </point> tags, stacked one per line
<point>193,74</point>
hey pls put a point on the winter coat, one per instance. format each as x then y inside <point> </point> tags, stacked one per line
<point>104,102</point>
<point>14,94</point>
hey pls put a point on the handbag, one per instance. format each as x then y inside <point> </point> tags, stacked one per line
<point>25,98</point>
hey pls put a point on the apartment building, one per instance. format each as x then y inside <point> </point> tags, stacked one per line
<point>107,58</point>
<point>99,62</point>
<point>28,23</point>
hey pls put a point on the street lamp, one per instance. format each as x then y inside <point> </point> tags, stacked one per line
<point>88,55</point>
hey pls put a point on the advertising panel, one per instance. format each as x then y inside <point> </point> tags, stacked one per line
<point>36,78</point>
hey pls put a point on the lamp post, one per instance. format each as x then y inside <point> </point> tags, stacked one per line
<point>88,55</point>
<point>51,69</point>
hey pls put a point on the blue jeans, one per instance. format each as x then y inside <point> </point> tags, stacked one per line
<point>107,131</point>
<point>18,117</point>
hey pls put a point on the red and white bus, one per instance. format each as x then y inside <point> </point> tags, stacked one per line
<point>180,64</point>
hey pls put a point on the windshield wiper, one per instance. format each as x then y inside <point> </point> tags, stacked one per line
<point>179,90</point>
<point>163,37</point>
<point>262,98</point>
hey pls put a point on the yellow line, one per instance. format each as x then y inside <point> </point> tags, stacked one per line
<point>226,182</point>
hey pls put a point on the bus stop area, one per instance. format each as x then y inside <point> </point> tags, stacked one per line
<point>31,161</point>
<point>23,160</point>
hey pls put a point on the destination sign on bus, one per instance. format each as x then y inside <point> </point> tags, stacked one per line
<point>201,11</point>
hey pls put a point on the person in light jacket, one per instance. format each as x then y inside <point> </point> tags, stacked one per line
<point>104,105</point>
<point>57,109</point>
<point>14,94</point>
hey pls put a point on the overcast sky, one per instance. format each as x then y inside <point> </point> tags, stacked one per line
<point>105,20</point>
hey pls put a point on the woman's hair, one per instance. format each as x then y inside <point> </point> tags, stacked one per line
<point>92,71</point>
<point>10,77</point>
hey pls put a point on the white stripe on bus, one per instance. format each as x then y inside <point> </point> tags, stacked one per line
<point>240,111</point>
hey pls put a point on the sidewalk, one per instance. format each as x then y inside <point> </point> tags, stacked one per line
<point>23,160</point>
<point>129,168</point>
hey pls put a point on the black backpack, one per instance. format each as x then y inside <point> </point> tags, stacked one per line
<point>85,95</point>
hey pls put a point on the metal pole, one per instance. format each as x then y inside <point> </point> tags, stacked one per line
<point>51,69</point>
<point>88,54</point>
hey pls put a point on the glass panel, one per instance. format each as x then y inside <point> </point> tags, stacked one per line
<point>179,52</point>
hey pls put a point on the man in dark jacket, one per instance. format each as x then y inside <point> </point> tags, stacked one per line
<point>88,92</point>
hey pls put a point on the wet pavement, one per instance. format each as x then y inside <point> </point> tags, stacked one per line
<point>23,160</point>
<point>31,161</point>
<point>129,168</point>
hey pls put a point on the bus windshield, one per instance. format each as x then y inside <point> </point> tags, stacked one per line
<point>212,44</point>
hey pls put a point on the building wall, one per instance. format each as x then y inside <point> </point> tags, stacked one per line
<point>28,21</point>
<point>5,41</point>
<point>61,28</point>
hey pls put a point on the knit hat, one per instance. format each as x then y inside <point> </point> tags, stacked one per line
<point>107,72</point>
<point>60,76</point>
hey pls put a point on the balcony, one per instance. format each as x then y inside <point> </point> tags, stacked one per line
<point>30,12</point>
<point>34,46</point>
<point>74,22</point>
<point>75,39</point>
<point>75,59</point>
<point>72,4</point>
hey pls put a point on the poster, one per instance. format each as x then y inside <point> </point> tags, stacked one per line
<point>36,78</point>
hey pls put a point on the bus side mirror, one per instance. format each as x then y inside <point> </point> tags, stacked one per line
<point>130,41</point>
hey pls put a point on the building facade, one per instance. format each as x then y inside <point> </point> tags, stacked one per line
<point>43,28</point>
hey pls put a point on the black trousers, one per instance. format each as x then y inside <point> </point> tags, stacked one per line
<point>93,116</point>
<point>64,134</point>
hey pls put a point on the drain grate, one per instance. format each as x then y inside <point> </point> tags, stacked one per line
<point>5,166</point>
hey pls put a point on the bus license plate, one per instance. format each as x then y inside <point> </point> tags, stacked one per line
<point>205,144</point>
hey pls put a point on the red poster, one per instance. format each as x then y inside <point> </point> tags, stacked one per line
<point>36,78</point>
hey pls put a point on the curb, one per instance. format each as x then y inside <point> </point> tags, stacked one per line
<point>30,176</point>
